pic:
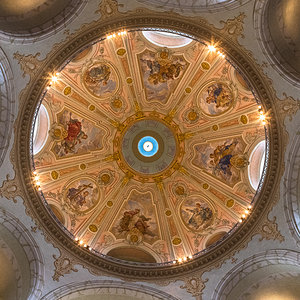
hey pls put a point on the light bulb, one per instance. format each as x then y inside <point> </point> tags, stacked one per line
<point>243,216</point>
<point>190,256</point>
<point>185,258</point>
<point>81,242</point>
<point>180,260</point>
<point>246,211</point>
<point>212,48</point>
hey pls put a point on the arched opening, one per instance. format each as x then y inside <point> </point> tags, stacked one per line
<point>132,254</point>
<point>41,128</point>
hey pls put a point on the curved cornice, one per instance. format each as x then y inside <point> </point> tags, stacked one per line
<point>225,38</point>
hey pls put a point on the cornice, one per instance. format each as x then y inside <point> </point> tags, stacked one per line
<point>227,39</point>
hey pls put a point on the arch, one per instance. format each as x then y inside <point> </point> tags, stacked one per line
<point>166,39</point>
<point>23,247</point>
<point>292,190</point>
<point>107,287</point>
<point>7,104</point>
<point>257,268</point>
<point>256,165</point>
<point>276,23</point>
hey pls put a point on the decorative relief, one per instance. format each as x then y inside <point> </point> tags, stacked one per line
<point>288,107</point>
<point>64,264</point>
<point>9,189</point>
<point>234,27</point>
<point>269,231</point>
<point>194,285</point>
<point>29,63</point>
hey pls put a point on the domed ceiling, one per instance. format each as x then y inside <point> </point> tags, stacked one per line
<point>148,146</point>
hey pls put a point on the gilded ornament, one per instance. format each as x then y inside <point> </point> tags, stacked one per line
<point>67,90</point>
<point>168,213</point>
<point>109,203</point>
<point>176,241</point>
<point>92,107</point>
<point>244,119</point>
<point>205,65</point>
<point>230,203</point>
<point>105,178</point>
<point>215,127</point>
<point>54,175</point>
<point>117,103</point>
<point>129,80</point>
<point>205,186</point>
<point>188,90</point>
<point>82,166</point>
<point>180,190</point>
<point>193,116</point>
<point>93,228</point>
<point>134,238</point>
<point>121,51</point>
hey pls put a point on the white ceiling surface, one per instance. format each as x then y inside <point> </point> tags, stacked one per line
<point>215,276</point>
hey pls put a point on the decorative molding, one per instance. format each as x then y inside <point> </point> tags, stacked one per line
<point>64,264</point>
<point>29,64</point>
<point>234,28</point>
<point>194,285</point>
<point>9,189</point>
<point>288,107</point>
<point>131,20</point>
<point>269,231</point>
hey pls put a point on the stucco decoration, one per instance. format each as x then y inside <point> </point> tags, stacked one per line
<point>116,184</point>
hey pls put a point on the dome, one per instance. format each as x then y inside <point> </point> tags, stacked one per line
<point>148,152</point>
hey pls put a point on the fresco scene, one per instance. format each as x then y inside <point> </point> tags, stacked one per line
<point>75,135</point>
<point>196,214</point>
<point>82,195</point>
<point>160,74</point>
<point>216,99</point>
<point>138,214</point>
<point>100,80</point>
<point>222,159</point>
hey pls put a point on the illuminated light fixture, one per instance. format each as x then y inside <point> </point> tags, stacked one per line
<point>90,248</point>
<point>34,172</point>
<point>259,107</point>
<point>81,242</point>
<point>180,260</point>
<point>190,256</point>
<point>243,216</point>
<point>54,79</point>
<point>76,239</point>
<point>39,188</point>
<point>174,262</point>
<point>246,211</point>
<point>262,117</point>
<point>114,35</point>
<point>249,207</point>
<point>184,258</point>
<point>264,122</point>
<point>240,220</point>
<point>85,245</point>
<point>48,87</point>
<point>38,183</point>
<point>36,178</point>
<point>261,112</point>
<point>57,74</point>
<point>211,48</point>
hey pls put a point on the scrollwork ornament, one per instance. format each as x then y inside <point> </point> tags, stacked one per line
<point>64,264</point>
<point>195,286</point>
<point>9,189</point>
<point>269,231</point>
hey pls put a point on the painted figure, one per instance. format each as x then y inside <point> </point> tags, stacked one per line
<point>133,219</point>
<point>201,216</point>
<point>221,158</point>
<point>74,135</point>
<point>77,196</point>
<point>98,75</point>
<point>218,95</point>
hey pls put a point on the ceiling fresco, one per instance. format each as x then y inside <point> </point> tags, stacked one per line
<point>96,175</point>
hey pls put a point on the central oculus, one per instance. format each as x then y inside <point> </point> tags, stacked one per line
<point>148,146</point>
